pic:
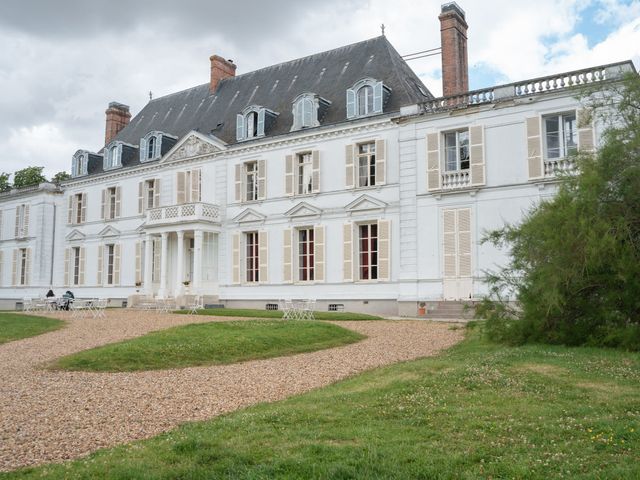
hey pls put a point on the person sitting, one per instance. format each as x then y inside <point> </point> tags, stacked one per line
<point>67,300</point>
<point>50,294</point>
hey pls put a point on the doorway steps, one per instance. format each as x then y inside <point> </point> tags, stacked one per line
<point>450,310</point>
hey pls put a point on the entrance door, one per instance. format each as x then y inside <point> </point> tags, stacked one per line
<point>456,248</point>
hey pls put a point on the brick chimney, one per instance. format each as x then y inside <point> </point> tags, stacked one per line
<point>453,38</point>
<point>220,69</point>
<point>118,117</point>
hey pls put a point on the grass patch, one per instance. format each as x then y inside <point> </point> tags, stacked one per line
<point>14,326</point>
<point>210,344</point>
<point>251,313</point>
<point>476,411</point>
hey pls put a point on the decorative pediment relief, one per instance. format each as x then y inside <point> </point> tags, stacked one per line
<point>365,203</point>
<point>194,144</point>
<point>109,231</point>
<point>249,215</point>
<point>303,209</point>
<point>75,235</point>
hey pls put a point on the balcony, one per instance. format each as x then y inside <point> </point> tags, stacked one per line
<point>555,166</point>
<point>456,179</point>
<point>185,213</point>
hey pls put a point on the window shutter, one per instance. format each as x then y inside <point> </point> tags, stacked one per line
<point>18,210</point>
<point>138,262</point>
<point>118,198</point>
<point>308,112</point>
<point>239,182</point>
<point>464,242</point>
<point>586,140</point>
<point>315,178</point>
<point>347,252</point>
<point>1,226</point>
<point>83,209</point>
<point>104,204</point>
<point>433,162</point>
<point>381,156</point>
<point>534,148</point>
<point>449,243</point>
<point>100,279</point>
<point>27,267</point>
<point>195,185</point>
<point>261,114</point>
<point>287,260</point>
<point>181,191</point>
<point>239,127</point>
<point>67,269</point>
<point>143,149</point>
<point>82,263</point>
<point>476,155</point>
<point>263,256</point>
<point>156,193</point>
<point>378,97</point>
<point>25,223</point>
<point>318,253</point>
<point>235,258</point>
<point>116,264</point>
<point>351,103</point>
<point>384,250</point>
<point>1,268</point>
<point>289,175</point>
<point>262,179</point>
<point>141,197</point>
<point>14,268</point>
<point>349,165</point>
<point>70,210</point>
<point>157,149</point>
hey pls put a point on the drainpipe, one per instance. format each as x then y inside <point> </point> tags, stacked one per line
<point>53,245</point>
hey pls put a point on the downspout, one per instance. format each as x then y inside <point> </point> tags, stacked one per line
<point>53,246</point>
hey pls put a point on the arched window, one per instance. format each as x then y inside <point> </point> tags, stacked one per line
<point>113,156</point>
<point>365,100</point>
<point>366,97</point>
<point>252,124</point>
<point>151,147</point>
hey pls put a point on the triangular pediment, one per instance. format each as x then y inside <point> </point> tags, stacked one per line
<point>109,231</point>
<point>194,144</point>
<point>365,203</point>
<point>303,209</point>
<point>249,215</point>
<point>75,235</point>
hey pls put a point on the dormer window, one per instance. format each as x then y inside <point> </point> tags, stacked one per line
<point>253,122</point>
<point>151,146</point>
<point>366,97</point>
<point>113,156</point>
<point>307,110</point>
<point>252,125</point>
<point>79,163</point>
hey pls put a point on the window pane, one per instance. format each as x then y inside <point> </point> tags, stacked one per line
<point>450,152</point>
<point>552,137</point>
<point>570,134</point>
<point>463,149</point>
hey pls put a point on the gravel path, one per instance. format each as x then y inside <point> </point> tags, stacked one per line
<point>52,416</point>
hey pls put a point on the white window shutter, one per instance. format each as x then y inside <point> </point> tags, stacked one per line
<point>287,255</point>
<point>116,264</point>
<point>195,185</point>
<point>378,97</point>
<point>476,155</point>
<point>156,193</point>
<point>318,253</point>
<point>14,267</point>
<point>289,176</point>
<point>347,252</point>
<point>143,149</point>
<point>100,278</point>
<point>1,266</point>
<point>238,183</point>
<point>103,207</point>
<point>263,256</point>
<point>261,115</point>
<point>586,138</point>
<point>18,214</point>
<point>315,176</point>
<point>381,155</point>
<point>118,201</point>
<point>83,210</point>
<point>308,112</point>
<point>262,179</point>
<point>27,267</point>
<point>240,127</point>
<point>141,192</point>
<point>351,103</point>
<point>82,263</point>
<point>384,250</point>
<point>349,167</point>
<point>534,148</point>
<point>449,243</point>
<point>157,149</point>
<point>433,162</point>
<point>70,210</point>
<point>181,188</point>
<point>235,258</point>
<point>67,267</point>
<point>138,262</point>
<point>25,223</point>
<point>464,242</point>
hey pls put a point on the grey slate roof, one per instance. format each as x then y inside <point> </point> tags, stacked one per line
<point>328,74</point>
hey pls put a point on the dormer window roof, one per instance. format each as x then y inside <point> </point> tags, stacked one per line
<point>151,146</point>
<point>366,97</point>
<point>308,109</point>
<point>79,163</point>
<point>253,122</point>
<point>112,156</point>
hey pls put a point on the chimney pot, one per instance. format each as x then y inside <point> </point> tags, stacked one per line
<point>118,117</point>
<point>220,69</point>
<point>453,37</point>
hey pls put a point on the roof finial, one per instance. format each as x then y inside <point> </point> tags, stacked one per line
<point>382,28</point>
<point>150,95</point>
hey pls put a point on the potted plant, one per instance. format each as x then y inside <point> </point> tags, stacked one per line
<point>422,309</point>
<point>186,283</point>
<point>138,285</point>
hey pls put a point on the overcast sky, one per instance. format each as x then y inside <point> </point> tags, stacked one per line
<point>62,62</point>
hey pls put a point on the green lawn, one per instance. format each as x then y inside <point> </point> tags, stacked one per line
<point>14,326</point>
<point>210,344</point>
<point>476,411</point>
<point>246,312</point>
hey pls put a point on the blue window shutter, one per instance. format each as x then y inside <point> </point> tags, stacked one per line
<point>308,112</point>
<point>377,97</point>
<point>143,149</point>
<point>261,113</point>
<point>157,147</point>
<point>239,127</point>
<point>351,103</point>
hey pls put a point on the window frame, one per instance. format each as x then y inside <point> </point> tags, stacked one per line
<point>303,164</point>
<point>305,254</point>
<point>251,258</point>
<point>149,194</point>
<point>110,252</point>
<point>253,175</point>
<point>77,206</point>
<point>370,158</point>
<point>22,263</point>
<point>111,194</point>
<point>76,265</point>
<point>373,250</point>
<point>112,156</point>
<point>564,150</point>
<point>458,151</point>
<point>364,105</point>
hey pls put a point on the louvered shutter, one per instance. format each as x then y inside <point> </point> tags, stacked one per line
<point>287,256</point>
<point>464,242</point>
<point>349,166</point>
<point>83,208</point>
<point>238,182</point>
<point>476,155</point>
<point>82,264</point>
<point>315,178</point>
<point>347,252</point>
<point>70,210</point>
<point>263,256</point>
<point>67,269</point>
<point>378,97</point>
<point>116,264</point>
<point>433,162</point>
<point>261,115</point>
<point>381,155</point>
<point>240,127</point>
<point>143,150</point>
<point>235,258</point>
<point>141,197</point>
<point>104,205</point>
<point>1,224</point>
<point>118,201</point>
<point>18,215</point>
<point>138,262</point>
<point>351,103</point>
<point>181,188</point>
<point>534,148</point>
<point>262,179</point>
<point>195,185</point>
<point>289,175</point>
<point>156,193</point>
<point>100,277</point>
<point>27,267</point>
<point>384,250</point>
<point>14,268</point>
<point>25,222</point>
<point>586,138</point>
<point>449,243</point>
<point>1,268</point>
<point>318,253</point>
<point>157,149</point>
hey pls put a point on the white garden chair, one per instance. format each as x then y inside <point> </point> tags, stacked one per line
<point>197,304</point>
<point>307,309</point>
<point>99,307</point>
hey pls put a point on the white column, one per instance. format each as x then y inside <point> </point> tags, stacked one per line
<point>162,292</point>
<point>180,262</point>
<point>148,265</point>
<point>197,260</point>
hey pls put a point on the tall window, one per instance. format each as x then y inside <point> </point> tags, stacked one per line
<point>456,150</point>
<point>151,147</point>
<point>110,252</point>
<point>368,251</point>
<point>304,113</point>
<point>150,194</point>
<point>112,157</point>
<point>111,203</point>
<point>252,124</point>
<point>365,100</point>
<point>22,262</point>
<point>75,252</point>
<point>251,181</point>
<point>252,264</point>
<point>366,164</point>
<point>22,223</point>
<point>77,207</point>
<point>79,165</point>
<point>561,135</point>
<point>305,254</point>
<point>304,173</point>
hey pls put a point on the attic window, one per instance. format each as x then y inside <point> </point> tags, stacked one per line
<point>112,156</point>
<point>151,146</point>
<point>253,122</point>
<point>79,164</point>
<point>366,97</point>
<point>308,109</point>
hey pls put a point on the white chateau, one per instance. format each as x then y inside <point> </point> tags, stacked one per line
<point>336,176</point>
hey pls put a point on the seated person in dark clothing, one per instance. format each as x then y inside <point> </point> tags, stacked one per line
<point>66,300</point>
<point>50,294</point>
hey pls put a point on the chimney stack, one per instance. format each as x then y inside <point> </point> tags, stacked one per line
<point>453,38</point>
<point>220,69</point>
<point>118,117</point>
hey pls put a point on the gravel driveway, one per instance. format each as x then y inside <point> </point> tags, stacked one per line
<point>52,416</point>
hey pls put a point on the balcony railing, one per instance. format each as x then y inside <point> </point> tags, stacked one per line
<point>457,179</point>
<point>185,213</point>
<point>555,166</point>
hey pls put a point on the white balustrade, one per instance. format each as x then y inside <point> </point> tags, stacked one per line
<point>457,179</point>
<point>555,166</point>
<point>188,212</point>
